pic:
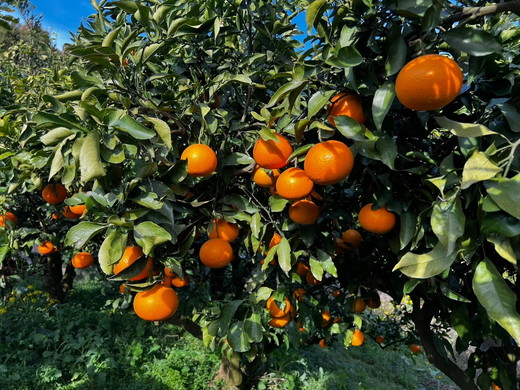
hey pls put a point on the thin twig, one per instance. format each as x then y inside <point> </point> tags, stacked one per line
<point>471,13</point>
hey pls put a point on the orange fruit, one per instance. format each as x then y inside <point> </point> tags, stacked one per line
<point>304,212</point>
<point>275,310</point>
<point>358,338</point>
<point>82,260</point>
<point>272,154</point>
<point>428,82</point>
<point>299,294</point>
<point>325,318</point>
<point>78,209</point>
<point>202,160</point>
<point>169,272</point>
<point>416,349</point>
<point>275,240</point>
<point>8,217</point>
<point>322,343</point>
<point>167,281</point>
<point>220,228</point>
<point>55,216</point>
<point>265,179</point>
<point>337,320</point>
<point>380,339</point>
<point>177,281</point>
<point>46,247</point>
<point>328,162</point>
<point>67,213</point>
<point>130,256</point>
<point>359,305</point>
<point>348,105</point>
<point>294,184</point>
<point>216,253</point>
<point>374,301</point>
<point>378,221</point>
<point>336,293</point>
<point>494,386</point>
<point>122,288</point>
<point>54,193</point>
<point>312,280</point>
<point>156,304</point>
<point>301,269</point>
<point>351,239</point>
<point>281,321</point>
<point>300,327</point>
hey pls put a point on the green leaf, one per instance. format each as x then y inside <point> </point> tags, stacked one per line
<point>478,168</point>
<point>469,130</point>
<point>57,162</point>
<point>382,102</point>
<point>256,224</point>
<point>396,55</point>
<point>283,251</point>
<point>228,311</point>
<point>132,270</point>
<point>472,41</point>
<point>284,90</point>
<point>448,222</point>
<point>350,128</point>
<point>80,234</point>
<point>277,203</point>
<point>506,194</point>
<point>497,298</point>
<point>512,115</point>
<point>346,57</point>
<point>503,247</point>
<point>56,135</point>
<point>237,337</point>
<point>452,294</point>
<point>408,221</point>
<point>326,263</point>
<point>317,101</point>
<point>501,224</point>
<point>316,268</point>
<point>123,122</point>
<point>314,13</point>
<point>425,265</point>
<point>253,327</point>
<point>111,250</point>
<point>149,234</point>
<point>90,159</point>
<point>162,129</point>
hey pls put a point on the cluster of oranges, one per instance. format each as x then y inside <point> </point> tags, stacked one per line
<point>8,220</point>
<point>55,193</point>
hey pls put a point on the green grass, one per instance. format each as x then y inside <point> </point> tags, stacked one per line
<point>84,344</point>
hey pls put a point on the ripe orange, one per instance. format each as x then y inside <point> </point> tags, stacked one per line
<point>46,247</point>
<point>325,318</point>
<point>130,256</point>
<point>378,221</point>
<point>428,82</point>
<point>220,228</point>
<point>216,253</point>
<point>82,260</point>
<point>301,269</point>
<point>416,349</point>
<point>169,272</point>
<point>345,104</point>
<point>54,193</point>
<point>281,321</point>
<point>374,301</point>
<point>156,304</point>
<point>122,288</point>
<point>275,240</point>
<point>358,338</point>
<point>359,305</point>
<point>322,343</point>
<point>202,160</point>
<point>67,213</point>
<point>78,209</point>
<point>304,212</point>
<point>380,339</point>
<point>337,320</point>
<point>494,386</point>
<point>275,310</point>
<point>265,179</point>
<point>299,294</point>
<point>311,279</point>
<point>294,184</point>
<point>272,154</point>
<point>328,162</point>
<point>177,281</point>
<point>351,239</point>
<point>8,217</point>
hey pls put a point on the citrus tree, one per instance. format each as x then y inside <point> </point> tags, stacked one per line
<point>281,180</point>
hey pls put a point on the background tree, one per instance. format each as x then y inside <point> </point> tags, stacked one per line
<point>152,78</point>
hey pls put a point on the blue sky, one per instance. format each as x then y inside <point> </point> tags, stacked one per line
<point>63,16</point>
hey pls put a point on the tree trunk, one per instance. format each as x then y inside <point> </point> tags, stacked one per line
<point>422,318</point>
<point>56,283</point>
<point>229,372</point>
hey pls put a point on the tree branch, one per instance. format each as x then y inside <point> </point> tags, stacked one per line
<point>472,13</point>
<point>187,324</point>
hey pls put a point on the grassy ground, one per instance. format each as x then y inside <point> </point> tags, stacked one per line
<point>83,345</point>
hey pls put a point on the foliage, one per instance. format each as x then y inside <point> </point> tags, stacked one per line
<point>144,86</point>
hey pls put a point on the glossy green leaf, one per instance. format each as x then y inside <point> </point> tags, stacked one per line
<point>506,194</point>
<point>317,102</point>
<point>448,222</point>
<point>284,90</point>
<point>469,130</point>
<point>425,265</point>
<point>501,224</point>
<point>503,247</point>
<point>314,13</point>
<point>476,42</point>
<point>316,268</point>
<point>227,313</point>
<point>396,56</point>
<point>90,159</point>
<point>238,338</point>
<point>253,327</point>
<point>408,222</point>
<point>163,130</point>
<point>111,250</point>
<point>149,234</point>
<point>497,298</point>
<point>123,122</point>
<point>283,251</point>
<point>382,102</point>
<point>83,232</point>
<point>478,168</point>
<point>277,203</point>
